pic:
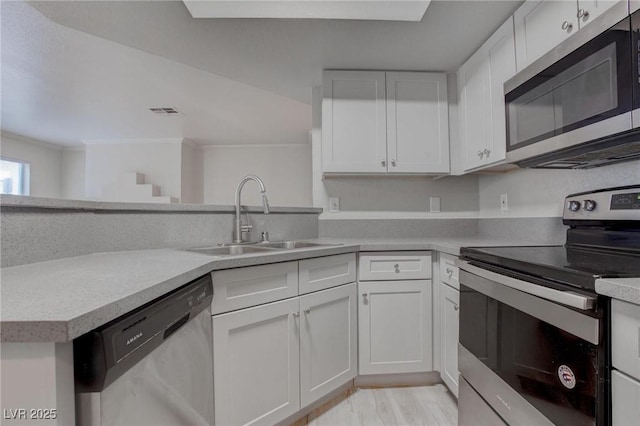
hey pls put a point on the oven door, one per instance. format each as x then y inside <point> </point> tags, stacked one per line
<point>580,97</point>
<point>534,361</point>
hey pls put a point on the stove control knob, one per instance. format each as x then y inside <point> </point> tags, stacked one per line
<point>574,206</point>
<point>589,205</point>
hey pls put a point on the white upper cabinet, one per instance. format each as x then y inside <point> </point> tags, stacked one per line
<point>354,123</point>
<point>634,5</point>
<point>588,10</point>
<point>542,25</point>
<point>417,122</point>
<point>481,100</point>
<point>377,122</point>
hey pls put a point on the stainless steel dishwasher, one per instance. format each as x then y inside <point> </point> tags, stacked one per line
<point>152,366</point>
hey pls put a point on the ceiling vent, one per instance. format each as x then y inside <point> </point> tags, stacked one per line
<point>164,110</point>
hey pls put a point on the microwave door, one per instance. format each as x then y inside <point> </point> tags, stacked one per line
<point>583,96</point>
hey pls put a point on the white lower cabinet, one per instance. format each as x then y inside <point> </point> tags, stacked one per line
<point>274,359</point>
<point>328,345</point>
<point>449,326</point>
<point>625,399</point>
<point>395,327</point>
<point>256,364</point>
<point>625,357</point>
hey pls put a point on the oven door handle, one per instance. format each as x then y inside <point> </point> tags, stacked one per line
<point>568,298</point>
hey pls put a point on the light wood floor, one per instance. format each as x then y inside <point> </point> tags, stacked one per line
<point>411,406</point>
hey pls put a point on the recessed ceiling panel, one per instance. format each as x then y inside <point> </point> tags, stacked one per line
<point>390,10</point>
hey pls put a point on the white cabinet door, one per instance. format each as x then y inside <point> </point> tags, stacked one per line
<point>449,325</point>
<point>417,122</point>
<point>474,114</point>
<point>501,53</point>
<point>542,25</point>
<point>395,327</point>
<point>256,364</point>
<point>625,399</point>
<point>354,129</point>
<point>483,133</point>
<point>328,345</point>
<point>588,10</point>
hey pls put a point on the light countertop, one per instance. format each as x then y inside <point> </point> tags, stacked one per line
<point>626,289</point>
<point>59,300</point>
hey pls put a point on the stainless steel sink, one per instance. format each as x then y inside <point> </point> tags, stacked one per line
<point>232,250</point>
<point>290,245</point>
<point>240,249</point>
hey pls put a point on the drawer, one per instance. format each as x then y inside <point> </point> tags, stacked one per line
<point>244,287</point>
<point>625,337</point>
<point>625,399</point>
<point>449,271</point>
<point>325,272</point>
<point>395,265</point>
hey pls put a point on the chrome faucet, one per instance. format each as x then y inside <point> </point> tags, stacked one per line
<point>240,228</point>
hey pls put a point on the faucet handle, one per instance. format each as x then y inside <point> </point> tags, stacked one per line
<point>246,228</point>
<point>265,237</point>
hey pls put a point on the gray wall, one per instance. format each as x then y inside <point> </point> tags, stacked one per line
<point>403,193</point>
<point>37,234</point>
<point>540,193</point>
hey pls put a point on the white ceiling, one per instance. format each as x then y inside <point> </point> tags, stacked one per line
<point>381,10</point>
<point>74,71</point>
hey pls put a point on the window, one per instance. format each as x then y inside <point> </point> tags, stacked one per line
<point>14,177</point>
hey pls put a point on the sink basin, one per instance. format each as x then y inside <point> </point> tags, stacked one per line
<point>231,250</point>
<point>240,249</point>
<point>289,245</point>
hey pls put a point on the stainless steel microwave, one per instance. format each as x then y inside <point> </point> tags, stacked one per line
<point>579,105</point>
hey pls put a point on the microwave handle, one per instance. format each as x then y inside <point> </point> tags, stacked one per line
<point>568,298</point>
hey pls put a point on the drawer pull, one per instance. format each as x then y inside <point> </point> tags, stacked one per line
<point>397,268</point>
<point>449,272</point>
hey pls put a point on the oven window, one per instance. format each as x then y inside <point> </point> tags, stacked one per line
<point>555,371</point>
<point>589,85</point>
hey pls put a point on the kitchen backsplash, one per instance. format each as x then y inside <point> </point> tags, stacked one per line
<point>39,234</point>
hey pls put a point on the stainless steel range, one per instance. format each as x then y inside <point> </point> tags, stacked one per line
<point>534,335</point>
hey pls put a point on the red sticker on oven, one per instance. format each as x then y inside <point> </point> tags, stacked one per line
<point>566,376</point>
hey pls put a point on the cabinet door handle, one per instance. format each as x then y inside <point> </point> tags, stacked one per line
<point>456,307</point>
<point>583,14</point>
<point>383,163</point>
<point>307,311</point>
<point>480,154</point>
<point>393,163</point>
<point>295,314</point>
<point>487,152</point>
<point>364,299</point>
<point>449,271</point>
<point>567,26</point>
<point>396,267</point>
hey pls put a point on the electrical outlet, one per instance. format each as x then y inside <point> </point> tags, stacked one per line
<point>434,204</point>
<point>504,202</point>
<point>334,204</point>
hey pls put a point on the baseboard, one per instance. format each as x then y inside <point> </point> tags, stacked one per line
<point>401,379</point>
